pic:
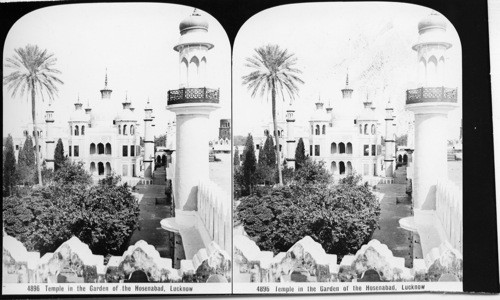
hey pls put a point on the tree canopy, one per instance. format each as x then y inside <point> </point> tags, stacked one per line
<point>8,166</point>
<point>300,154</point>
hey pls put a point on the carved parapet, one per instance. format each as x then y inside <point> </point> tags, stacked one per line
<point>144,257</point>
<point>73,261</point>
<point>444,262</point>
<point>212,261</point>
<point>18,264</point>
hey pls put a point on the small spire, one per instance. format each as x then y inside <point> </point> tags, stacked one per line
<point>347,79</point>
<point>195,12</point>
<point>106,79</point>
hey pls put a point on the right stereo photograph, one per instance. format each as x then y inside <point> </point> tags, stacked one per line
<point>347,150</point>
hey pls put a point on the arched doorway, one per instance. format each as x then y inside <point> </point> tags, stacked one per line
<point>341,168</point>
<point>405,159</point>
<point>164,160</point>
<point>108,148</point>
<point>333,148</point>
<point>400,158</point>
<point>108,168</point>
<point>100,168</point>
<point>100,148</point>
<point>341,148</point>
<point>333,168</point>
<point>349,148</point>
<point>92,167</point>
<point>92,148</point>
<point>349,168</point>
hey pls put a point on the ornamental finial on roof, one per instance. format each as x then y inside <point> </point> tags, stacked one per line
<point>195,12</point>
<point>106,79</point>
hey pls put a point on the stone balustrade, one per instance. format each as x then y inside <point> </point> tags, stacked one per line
<point>74,262</point>
<point>449,211</point>
<point>307,261</point>
<point>214,210</point>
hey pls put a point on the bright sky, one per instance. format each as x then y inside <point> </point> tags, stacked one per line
<point>328,39</point>
<point>133,41</point>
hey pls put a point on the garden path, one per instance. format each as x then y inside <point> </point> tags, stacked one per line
<point>151,214</point>
<point>395,205</point>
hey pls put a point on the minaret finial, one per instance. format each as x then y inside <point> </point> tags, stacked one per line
<point>106,79</point>
<point>347,78</point>
<point>195,12</point>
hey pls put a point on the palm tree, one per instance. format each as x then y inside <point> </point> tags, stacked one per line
<point>34,74</point>
<point>273,71</point>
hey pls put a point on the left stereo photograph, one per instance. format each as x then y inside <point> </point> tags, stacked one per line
<point>117,151</point>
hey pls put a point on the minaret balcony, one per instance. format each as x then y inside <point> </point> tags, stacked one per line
<point>431,94</point>
<point>193,95</point>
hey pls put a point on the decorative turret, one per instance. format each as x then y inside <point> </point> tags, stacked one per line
<point>329,108</point>
<point>106,92</point>
<point>148,142</point>
<point>347,91</point>
<point>88,109</point>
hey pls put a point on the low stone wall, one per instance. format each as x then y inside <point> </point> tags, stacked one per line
<point>307,261</point>
<point>74,262</point>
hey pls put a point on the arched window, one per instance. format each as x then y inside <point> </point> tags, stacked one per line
<point>333,167</point>
<point>373,129</point>
<point>124,129</point>
<point>341,148</point>
<point>132,130</point>
<point>92,149</point>
<point>421,72</point>
<point>323,129</point>
<point>349,168</point>
<point>366,128</point>
<point>349,148</point>
<point>83,129</point>
<point>341,168</point>
<point>100,168</point>
<point>317,130</point>
<point>279,133</point>
<point>193,72</point>
<point>100,148</point>
<point>312,129</point>
<point>119,129</point>
<point>405,159</point>
<point>360,128</point>
<point>333,148</point>
<point>76,130</point>
<point>441,71</point>
<point>92,167</point>
<point>400,158</point>
<point>108,148</point>
<point>202,73</point>
<point>108,168</point>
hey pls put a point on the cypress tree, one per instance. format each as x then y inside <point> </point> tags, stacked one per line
<point>262,155</point>
<point>236,159</point>
<point>27,163</point>
<point>59,155</point>
<point>300,154</point>
<point>9,166</point>
<point>270,152</point>
<point>249,163</point>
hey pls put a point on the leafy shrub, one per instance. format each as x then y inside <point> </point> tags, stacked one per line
<point>340,217</point>
<point>103,216</point>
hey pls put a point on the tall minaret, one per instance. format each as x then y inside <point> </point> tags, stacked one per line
<point>148,142</point>
<point>390,143</point>
<point>290,137</point>
<point>430,103</point>
<point>192,104</point>
<point>49,137</point>
<point>347,91</point>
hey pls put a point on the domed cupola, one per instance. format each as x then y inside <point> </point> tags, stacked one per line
<point>432,21</point>
<point>79,115</point>
<point>126,114</point>
<point>432,31</point>
<point>194,22</point>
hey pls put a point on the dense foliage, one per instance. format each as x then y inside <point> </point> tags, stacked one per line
<point>236,158</point>
<point>249,166</point>
<point>341,217</point>
<point>102,215</point>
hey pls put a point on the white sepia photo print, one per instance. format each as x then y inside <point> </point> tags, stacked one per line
<point>117,151</point>
<point>348,150</point>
